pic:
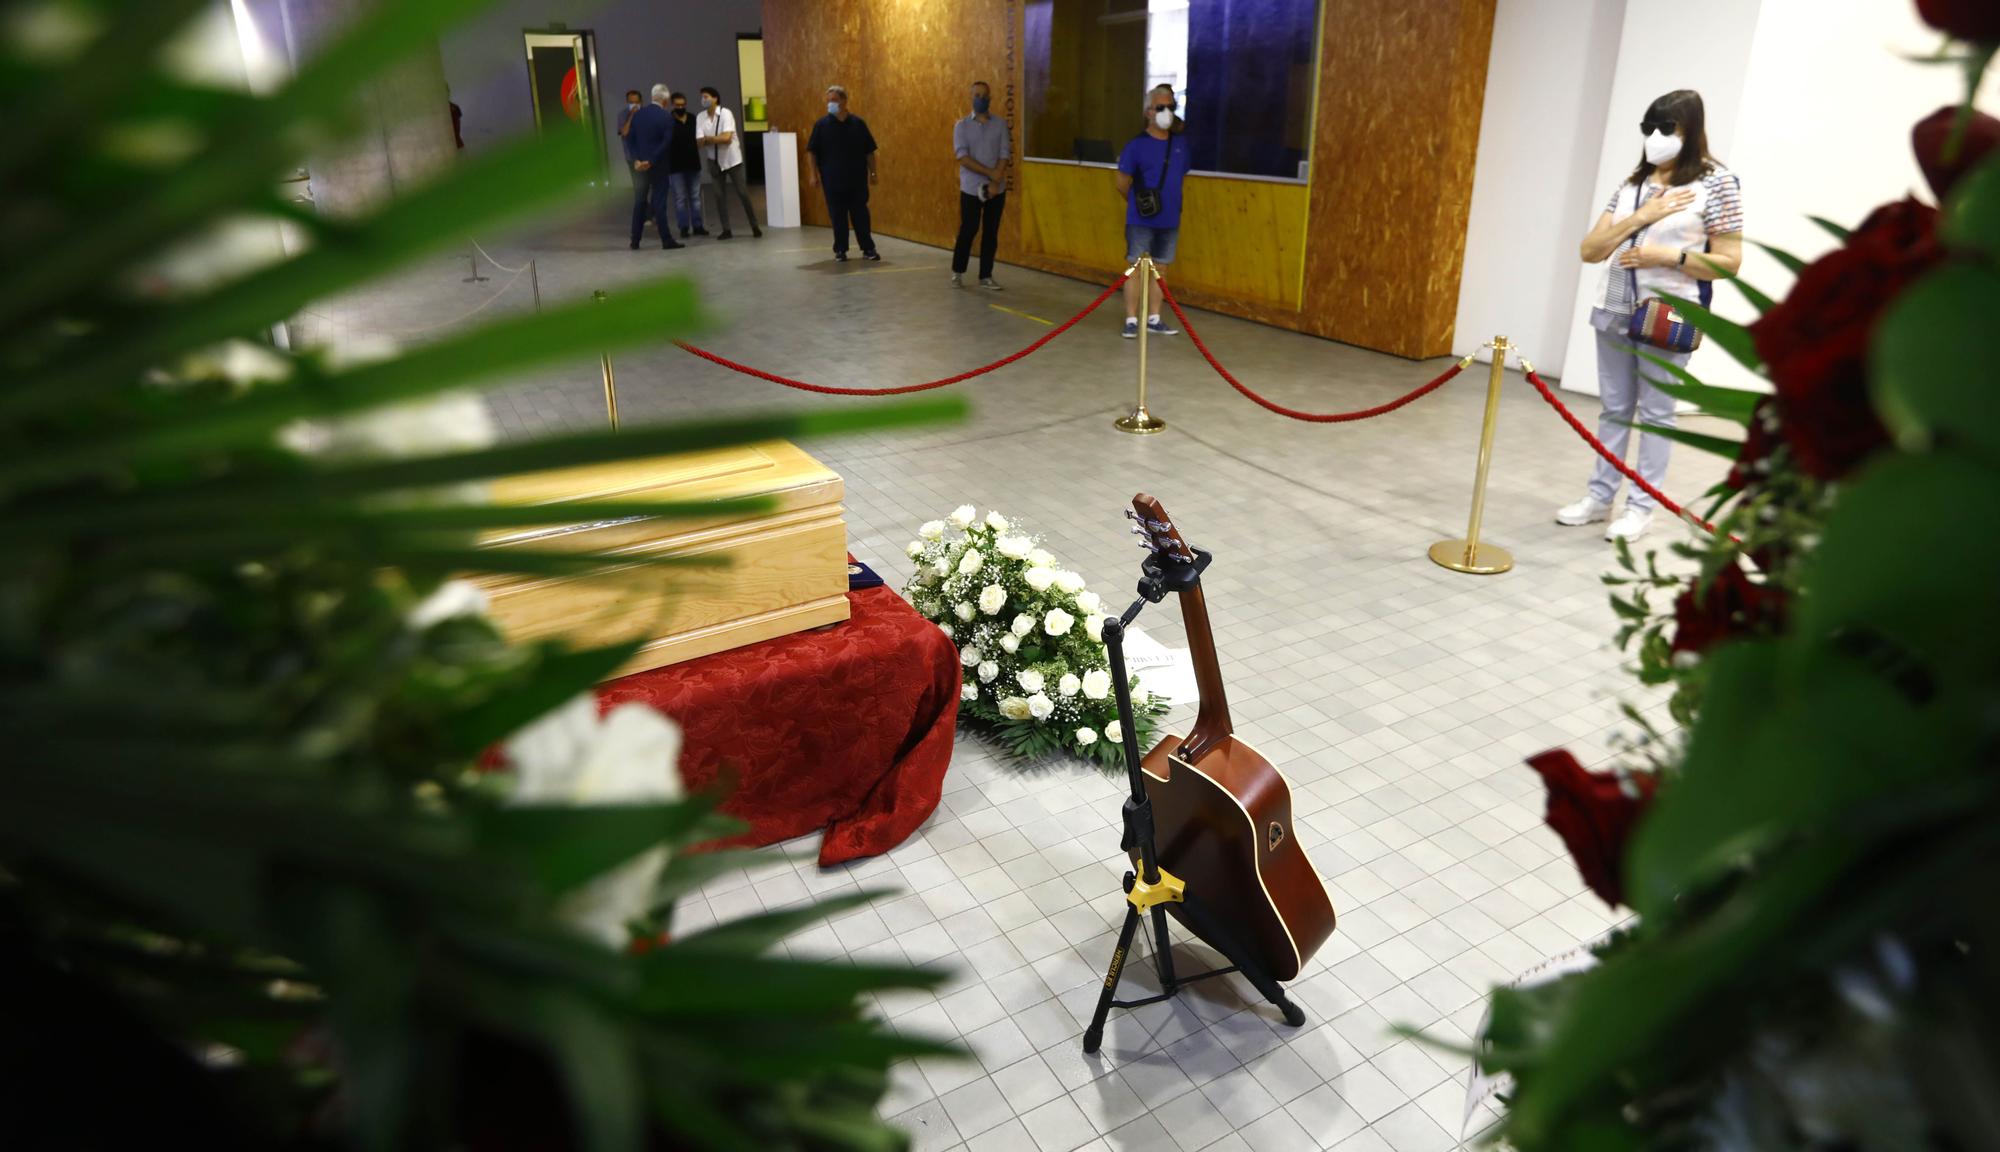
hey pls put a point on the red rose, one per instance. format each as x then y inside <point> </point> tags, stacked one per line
<point>1594,813</point>
<point>1728,606</point>
<point>1815,341</point>
<point>1965,19</point>
<point>1933,135</point>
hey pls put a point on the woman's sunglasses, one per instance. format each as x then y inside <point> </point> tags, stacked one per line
<point>1664,127</point>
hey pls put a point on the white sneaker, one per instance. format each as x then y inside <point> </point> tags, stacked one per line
<point>990,284</point>
<point>958,279</point>
<point>1585,511</point>
<point>1630,525</point>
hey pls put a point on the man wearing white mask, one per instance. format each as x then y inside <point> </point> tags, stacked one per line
<point>842,151</point>
<point>722,156</point>
<point>1150,171</point>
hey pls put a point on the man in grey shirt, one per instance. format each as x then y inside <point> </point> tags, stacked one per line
<point>983,147</point>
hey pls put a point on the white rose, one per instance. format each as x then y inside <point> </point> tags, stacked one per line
<point>1010,643</point>
<point>946,629</point>
<point>629,756</point>
<point>996,521</point>
<point>1014,708</point>
<point>968,692</point>
<point>971,562</point>
<point>1093,627</point>
<point>1069,684</point>
<point>1089,601</point>
<point>970,655</point>
<point>1039,578</point>
<point>1114,733</point>
<point>931,530</point>
<point>1096,684</point>
<point>1041,558</point>
<point>1029,680</point>
<point>1014,547</point>
<point>1023,624</point>
<point>962,515</point>
<point>991,598</point>
<point>1086,736</point>
<point>915,549</point>
<point>453,598</point>
<point>1069,581</point>
<point>963,611</point>
<point>988,670</point>
<point>1139,696</point>
<point>941,566</point>
<point>1040,706</point>
<point>1057,622</point>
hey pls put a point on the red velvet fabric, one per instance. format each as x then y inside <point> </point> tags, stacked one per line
<point>848,729</point>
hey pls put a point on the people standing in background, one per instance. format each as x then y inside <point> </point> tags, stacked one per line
<point>684,169</point>
<point>722,153</point>
<point>982,144</point>
<point>1674,224</point>
<point>640,185</point>
<point>843,167</point>
<point>457,121</point>
<point>650,130</point>
<point>1150,171</point>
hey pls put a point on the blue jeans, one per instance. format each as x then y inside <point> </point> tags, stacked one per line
<point>687,199</point>
<point>1161,242</point>
<point>1624,384</point>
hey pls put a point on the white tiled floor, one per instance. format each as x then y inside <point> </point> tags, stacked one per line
<point>1399,698</point>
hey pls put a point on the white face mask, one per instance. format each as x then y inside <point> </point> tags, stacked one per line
<point>1662,149</point>
<point>1164,118</point>
<point>833,107</point>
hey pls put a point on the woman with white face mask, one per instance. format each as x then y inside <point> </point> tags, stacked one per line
<point>1675,225</point>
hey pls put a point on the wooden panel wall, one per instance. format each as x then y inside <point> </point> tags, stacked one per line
<point>1376,261</point>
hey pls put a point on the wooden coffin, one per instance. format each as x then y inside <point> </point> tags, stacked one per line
<point>778,571</point>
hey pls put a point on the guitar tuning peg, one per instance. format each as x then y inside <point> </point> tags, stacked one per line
<point>1130,514</point>
<point>1147,545</point>
<point>1136,530</point>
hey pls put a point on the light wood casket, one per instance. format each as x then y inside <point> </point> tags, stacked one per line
<point>779,570</point>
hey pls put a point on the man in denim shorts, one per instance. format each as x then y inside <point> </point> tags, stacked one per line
<point>1150,171</point>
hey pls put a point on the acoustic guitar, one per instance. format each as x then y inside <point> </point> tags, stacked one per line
<point>1222,815</point>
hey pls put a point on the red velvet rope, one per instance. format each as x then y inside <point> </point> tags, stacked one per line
<point>958,379</point>
<point>1569,418</point>
<point>1280,409</point>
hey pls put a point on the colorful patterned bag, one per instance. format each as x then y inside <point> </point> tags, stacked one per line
<point>1654,321</point>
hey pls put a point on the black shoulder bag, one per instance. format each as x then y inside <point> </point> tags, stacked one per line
<point>1146,201</point>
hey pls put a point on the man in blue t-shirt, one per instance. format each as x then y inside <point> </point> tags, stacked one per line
<point>1149,178</point>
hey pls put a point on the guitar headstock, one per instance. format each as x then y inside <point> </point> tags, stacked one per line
<point>1156,530</point>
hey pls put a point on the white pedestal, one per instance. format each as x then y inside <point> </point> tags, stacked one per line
<point>781,179</point>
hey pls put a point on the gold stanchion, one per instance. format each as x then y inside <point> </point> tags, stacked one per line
<point>1139,421</point>
<point>535,282</point>
<point>1469,555</point>
<point>475,278</point>
<point>610,380</point>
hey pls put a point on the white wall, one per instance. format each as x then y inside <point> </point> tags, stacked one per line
<point>682,43</point>
<point>1656,55</point>
<point>1547,85</point>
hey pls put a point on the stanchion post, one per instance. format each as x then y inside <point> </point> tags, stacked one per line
<point>1139,421</point>
<point>610,380</point>
<point>475,277</point>
<point>1469,555</point>
<point>535,283</point>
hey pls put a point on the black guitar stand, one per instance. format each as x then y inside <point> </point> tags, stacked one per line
<point>1152,888</point>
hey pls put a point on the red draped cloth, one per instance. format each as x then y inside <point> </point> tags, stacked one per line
<point>847,729</point>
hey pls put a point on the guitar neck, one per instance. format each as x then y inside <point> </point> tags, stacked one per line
<point>1211,725</point>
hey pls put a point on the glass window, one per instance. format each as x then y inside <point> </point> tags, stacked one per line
<point>1241,69</point>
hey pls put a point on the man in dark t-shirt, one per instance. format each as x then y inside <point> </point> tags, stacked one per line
<point>684,169</point>
<point>843,165</point>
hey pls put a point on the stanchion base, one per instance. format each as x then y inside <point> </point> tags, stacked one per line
<point>1482,560</point>
<point>1140,423</point>
<point>473,279</point>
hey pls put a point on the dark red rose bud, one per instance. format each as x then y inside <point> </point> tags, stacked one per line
<point>1966,19</point>
<point>1814,342</point>
<point>1594,813</point>
<point>1931,139</point>
<point>1727,606</point>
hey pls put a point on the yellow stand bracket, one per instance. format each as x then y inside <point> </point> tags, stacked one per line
<point>1169,890</point>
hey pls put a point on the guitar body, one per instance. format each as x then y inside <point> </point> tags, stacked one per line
<point>1223,824</point>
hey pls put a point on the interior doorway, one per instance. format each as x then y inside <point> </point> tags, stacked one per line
<point>562,84</point>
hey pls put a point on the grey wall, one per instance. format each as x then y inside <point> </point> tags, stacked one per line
<point>682,43</point>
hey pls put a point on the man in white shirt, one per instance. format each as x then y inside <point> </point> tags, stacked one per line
<point>722,158</point>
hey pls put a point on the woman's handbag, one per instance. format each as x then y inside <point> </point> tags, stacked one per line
<point>1654,321</point>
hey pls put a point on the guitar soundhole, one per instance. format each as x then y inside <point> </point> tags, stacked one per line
<point>1277,835</point>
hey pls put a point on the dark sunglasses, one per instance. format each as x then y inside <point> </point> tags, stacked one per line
<point>1166,107</point>
<point>1668,127</point>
